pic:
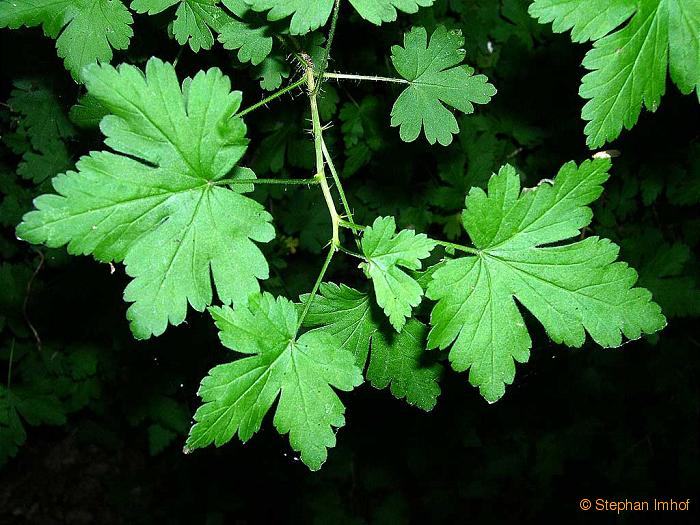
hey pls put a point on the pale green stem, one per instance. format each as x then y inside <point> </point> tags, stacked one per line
<point>326,54</point>
<point>338,185</point>
<point>272,97</point>
<point>320,165</point>
<point>460,247</point>
<point>350,252</point>
<point>347,76</point>
<point>314,290</point>
<point>284,182</point>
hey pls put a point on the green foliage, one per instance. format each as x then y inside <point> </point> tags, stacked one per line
<point>254,43</point>
<point>300,370</point>
<point>396,359</point>
<point>308,15</point>
<point>169,199</point>
<point>166,215</point>
<point>436,78</point>
<point>628,66</point>
<point>194,20</point>
<point>386,253</point>
<point>58,387</point>
<point>570,288</point>
<point>86,30</point>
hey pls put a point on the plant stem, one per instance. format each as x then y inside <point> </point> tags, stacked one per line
<point>347,76</point>
<point>314,290</point>
<point>331,35</point>
<point>284,182</point>
<point>338,185</point>
<point>350,252</point>
<point>320,165</point>
<point>460,247</point>
<point>351,226</point>
<point>272,97</point>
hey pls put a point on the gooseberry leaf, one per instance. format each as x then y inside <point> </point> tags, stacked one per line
<point>378,11</point>
<point>253,42</point>
<point>43,118</point>
<point>308,15</point>
<point>436,78</point>
<point>628,66</point>
<point>86,30</point>
<point>161,202</point>
<point>570,288</point>
<point>194,19</point>
<point>301,370</point>
<point>386,252</point>
<point>398,361</point>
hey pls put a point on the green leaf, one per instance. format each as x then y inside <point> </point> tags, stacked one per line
<point>436,79</point>
<point>161,203</point>
<point>347,315</point>
<point>88,29</point>
<point>589,20</point>
<point>571,288</point>
<point>271,72</point>
<point>386,252</point>
<point>661,270</point>
<point>12,433</point>
<point>194,19</point>
<point>628,67</point>
<point>684,44</point>
<point>253,43</point>
<point>396,360</point>
<point>40,166</point>
<point>378,11</point>
<point>88,112</point>
<point>308,15</point>
<point>43,117</point>
<point>300,370</point>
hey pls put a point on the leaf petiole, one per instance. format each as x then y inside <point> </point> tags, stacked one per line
<point>284,182</point>
<point>350,252</point>
<point>272,97</point>
<point>460,247</point>
<point>373,78</point>
<point>318,282</point>
<point>338,185</point>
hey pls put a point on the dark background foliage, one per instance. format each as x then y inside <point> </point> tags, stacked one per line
<point>111,413</point>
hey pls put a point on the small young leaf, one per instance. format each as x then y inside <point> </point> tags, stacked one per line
<point>572,288</point>
<point>435,78</point>
<point>386,251</point>
<point>301,370</point>
<point>271,72</point>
